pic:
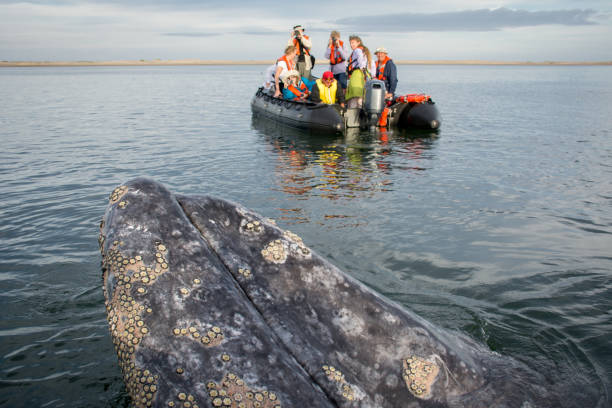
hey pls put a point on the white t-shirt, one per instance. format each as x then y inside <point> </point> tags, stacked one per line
<point>283,65</point>
<point>284,68</point>
<point>269,76</point>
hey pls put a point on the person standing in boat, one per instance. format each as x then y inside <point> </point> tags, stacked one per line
<point>386,71</point>
<point>296,88</point>
<point>284,64</point>
<point>327,90</point>
<point>302,44</point>
<point>338,54</point>
<point>358,70</point>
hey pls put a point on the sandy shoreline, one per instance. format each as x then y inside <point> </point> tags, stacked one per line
<point>158,62</point>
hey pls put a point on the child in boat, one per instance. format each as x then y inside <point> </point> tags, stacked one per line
<point>296,88</point>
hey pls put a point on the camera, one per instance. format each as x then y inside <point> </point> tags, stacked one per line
<point>296,33</point>
<point>334,40</point>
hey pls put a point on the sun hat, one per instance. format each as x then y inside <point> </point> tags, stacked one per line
<point>327,75</point>
<point>380,49</point>
<point>288,74</point>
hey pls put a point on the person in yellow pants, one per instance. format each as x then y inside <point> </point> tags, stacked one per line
<point>358,71</point>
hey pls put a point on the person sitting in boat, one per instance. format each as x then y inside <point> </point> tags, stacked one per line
<point>296,88</point>
<point>338,54</point>
<point>358,70</point>
<point>327,90</point>
<point>269,78</point>
<point>386,71</point>
<point>283,65</point>
<point>302,44</point>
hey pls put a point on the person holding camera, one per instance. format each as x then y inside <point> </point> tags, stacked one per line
<point>337,54</point>
<point>303,45</point>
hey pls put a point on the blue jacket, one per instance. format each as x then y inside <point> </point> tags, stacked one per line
<point>287,94</point>
<point>390,76</point>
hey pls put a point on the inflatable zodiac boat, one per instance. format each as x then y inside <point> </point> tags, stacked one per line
<point>416,111</point>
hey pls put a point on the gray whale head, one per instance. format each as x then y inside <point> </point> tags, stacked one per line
<point>209,304</point>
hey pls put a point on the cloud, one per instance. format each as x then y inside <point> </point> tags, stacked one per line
<point>436,29</point>
<point>190,34</point>
<point>469,20</point>
<point>263,31</point>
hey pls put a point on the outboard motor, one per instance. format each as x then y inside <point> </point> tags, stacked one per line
<point>374,103</point>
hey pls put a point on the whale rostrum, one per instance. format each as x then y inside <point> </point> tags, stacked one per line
<point>211,305</point>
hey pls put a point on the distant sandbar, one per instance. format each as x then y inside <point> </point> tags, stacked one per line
<point>159,62</point>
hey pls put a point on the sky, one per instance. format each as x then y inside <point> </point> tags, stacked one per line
<point>494,30</point>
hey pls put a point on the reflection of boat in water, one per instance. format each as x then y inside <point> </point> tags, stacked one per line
<point>276,132</point>
<point>287,137</point>
<point>345,166</point>
<point>413,111</point>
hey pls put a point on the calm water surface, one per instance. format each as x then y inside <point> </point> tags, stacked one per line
<point>499,226</point>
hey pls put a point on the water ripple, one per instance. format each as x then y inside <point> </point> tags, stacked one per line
<point>495,226</point>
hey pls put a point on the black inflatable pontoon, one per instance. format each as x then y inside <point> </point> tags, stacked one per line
<point>303,115</point>
<point>419,115</point>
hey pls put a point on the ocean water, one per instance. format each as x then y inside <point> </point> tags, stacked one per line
<point>498,226</point>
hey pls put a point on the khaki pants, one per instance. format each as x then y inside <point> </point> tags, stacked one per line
<point>304,67</point>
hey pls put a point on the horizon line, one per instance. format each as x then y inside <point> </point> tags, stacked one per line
<point>160,62</point>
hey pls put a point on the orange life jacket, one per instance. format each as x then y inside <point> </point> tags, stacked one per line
<point>380,69</point>
<point>334,55</point>
<point>350,66</point>
<point>416,98</point>
<point>290,65</point>
<point>382,121</point>
<point>297,45</point>
<point>301,93</point>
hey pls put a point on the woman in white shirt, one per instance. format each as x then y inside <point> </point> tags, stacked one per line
<point>284,64</point>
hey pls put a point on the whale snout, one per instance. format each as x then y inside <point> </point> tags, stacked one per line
<point>210,304</point>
